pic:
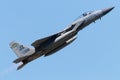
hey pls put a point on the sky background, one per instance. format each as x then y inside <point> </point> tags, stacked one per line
<point>94,55</point>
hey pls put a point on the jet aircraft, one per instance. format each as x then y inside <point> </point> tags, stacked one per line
<point>51,44</point>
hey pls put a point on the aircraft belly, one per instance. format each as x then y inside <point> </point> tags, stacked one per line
<point>35,56</point>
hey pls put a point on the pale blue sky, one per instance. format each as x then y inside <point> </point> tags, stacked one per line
<point>95,55</point>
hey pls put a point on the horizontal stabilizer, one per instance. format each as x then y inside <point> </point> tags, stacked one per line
<point>22,65</point>
<point>20,59</point>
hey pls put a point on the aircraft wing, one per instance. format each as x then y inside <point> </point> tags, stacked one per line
<point>40,41</point>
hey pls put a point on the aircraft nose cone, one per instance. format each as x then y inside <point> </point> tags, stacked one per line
<point>107,10</point>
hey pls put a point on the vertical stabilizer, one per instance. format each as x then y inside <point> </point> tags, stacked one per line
<point>21,50</point>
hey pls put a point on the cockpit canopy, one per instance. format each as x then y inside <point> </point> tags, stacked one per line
<point>86,13</point>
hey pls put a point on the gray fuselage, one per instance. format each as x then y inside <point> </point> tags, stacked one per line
<point>68,35</point>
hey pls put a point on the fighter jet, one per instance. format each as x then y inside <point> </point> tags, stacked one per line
<point>51,44</point>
